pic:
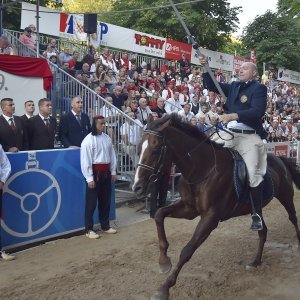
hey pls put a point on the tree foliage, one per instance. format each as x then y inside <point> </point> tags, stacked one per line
<point>87,6</point>
<point>211,22</point>
<point>235,47</point>
<point>12,13</point>
<point>290,7</point>
<point>275,38</point>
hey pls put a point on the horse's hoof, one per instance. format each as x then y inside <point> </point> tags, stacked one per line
<point>252,266</point>
<point>158,295</point>
<point>165,268</point>
<point>249,267</point>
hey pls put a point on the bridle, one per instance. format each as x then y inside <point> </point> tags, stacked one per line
<point>157,169</point>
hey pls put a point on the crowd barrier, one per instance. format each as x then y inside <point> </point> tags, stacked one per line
<point>44,197</point>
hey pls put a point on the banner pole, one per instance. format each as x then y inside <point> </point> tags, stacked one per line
<point>37,28</point>
<point>195,45</point>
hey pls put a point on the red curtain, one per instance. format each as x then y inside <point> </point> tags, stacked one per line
<point>27,67</point>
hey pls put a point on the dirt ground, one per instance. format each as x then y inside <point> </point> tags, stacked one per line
<point>124,266</point>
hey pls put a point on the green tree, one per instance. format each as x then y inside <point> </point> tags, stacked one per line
<point>12,14</point>
<point>276,40</point>
<point>211,22</point>
<point>291,7</point>
<point>87,6</point>
<point>235,46</point>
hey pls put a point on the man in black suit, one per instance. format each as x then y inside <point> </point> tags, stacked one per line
<point>29,110</point>
<point>42,127</point>
<point>13,133</point>
<point>74,126</point>
<point>244,109</point>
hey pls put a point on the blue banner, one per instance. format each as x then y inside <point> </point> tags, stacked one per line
<point>44,197</point>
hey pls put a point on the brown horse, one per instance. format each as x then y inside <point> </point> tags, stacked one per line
<point>206,187</point>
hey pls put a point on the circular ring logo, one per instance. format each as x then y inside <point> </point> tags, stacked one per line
<point>31,201</point>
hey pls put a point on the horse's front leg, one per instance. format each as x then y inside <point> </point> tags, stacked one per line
<point>176,210</point>
<point>205,226</point>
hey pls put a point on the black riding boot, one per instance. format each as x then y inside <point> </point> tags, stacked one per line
<point>256,194</point>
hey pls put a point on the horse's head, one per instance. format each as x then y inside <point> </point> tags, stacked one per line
<point>152,157</point>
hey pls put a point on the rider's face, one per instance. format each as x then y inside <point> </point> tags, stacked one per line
<point>247,72</point>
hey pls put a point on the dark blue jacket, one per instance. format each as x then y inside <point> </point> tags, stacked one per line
<point>70,132</point>
<point>249,101</point>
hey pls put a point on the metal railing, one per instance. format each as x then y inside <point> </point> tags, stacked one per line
<point>20,48</point>
<point>124,131</point>
<point>82,48</point>
<point>62,43</point>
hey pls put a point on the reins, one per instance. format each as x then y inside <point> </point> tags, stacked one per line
<point>189,155</point>
<point>157,169</point>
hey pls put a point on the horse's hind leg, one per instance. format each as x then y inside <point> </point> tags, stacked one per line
<point>262,239</point>
<point>176,210</point>
<point>205,226</point>
<point>288,204</point>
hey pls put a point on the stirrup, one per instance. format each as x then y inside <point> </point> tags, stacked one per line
<point>257,223</point>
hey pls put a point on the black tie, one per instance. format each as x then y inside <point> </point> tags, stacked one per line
<point>78,119</point>
<point>47,123</point>
<point>12,124</point>
<point>242,84</point>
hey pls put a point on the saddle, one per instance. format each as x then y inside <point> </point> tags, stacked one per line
<point>240,181</point>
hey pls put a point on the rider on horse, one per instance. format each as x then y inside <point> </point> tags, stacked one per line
<point>245,106</point>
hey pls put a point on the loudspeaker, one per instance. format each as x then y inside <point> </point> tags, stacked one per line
<point>90,23</point>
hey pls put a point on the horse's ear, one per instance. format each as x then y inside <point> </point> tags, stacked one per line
<point>150,119</point>
<point>171,121</point>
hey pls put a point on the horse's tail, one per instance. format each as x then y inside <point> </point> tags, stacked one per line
<point>294,168</point>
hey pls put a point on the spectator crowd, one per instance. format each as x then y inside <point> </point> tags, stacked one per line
<point>141,89</point>
<point>176,87</point>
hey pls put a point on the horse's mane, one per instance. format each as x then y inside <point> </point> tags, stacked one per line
<point>179,123</point>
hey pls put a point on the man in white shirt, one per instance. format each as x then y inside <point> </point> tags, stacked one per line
<point>98,165</point>
<point>184,96</point>
<point>202,113</point>
<point>111,115</point>
<point>211,114</point>
<point>131,132</point>
<point>143,111</point>
<point>172,105</point>
<point>186,113</point>
<point>168,92</point>
<point>5,170</point>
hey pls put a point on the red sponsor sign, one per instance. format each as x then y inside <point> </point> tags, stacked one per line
<point>148,41</point>
<point>175,49</point>
<point>281,150</point>
<point>238,61</point>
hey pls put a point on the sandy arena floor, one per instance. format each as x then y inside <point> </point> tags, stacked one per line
<point>124,266</point>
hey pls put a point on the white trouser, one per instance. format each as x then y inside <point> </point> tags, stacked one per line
<point>251,148</point>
